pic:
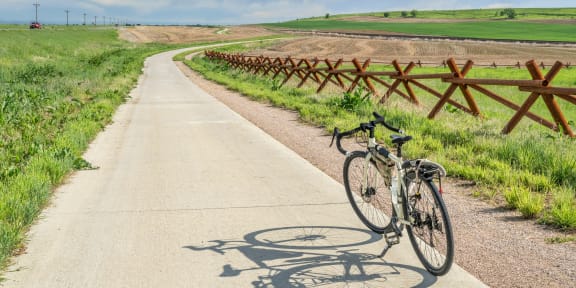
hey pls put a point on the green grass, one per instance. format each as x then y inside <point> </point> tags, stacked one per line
<point>59,88</point>
<point>538,161</point>
<point>477,14</point>
<point>501,30</point>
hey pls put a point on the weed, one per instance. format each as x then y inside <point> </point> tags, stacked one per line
<point>560,239</point>
<point>562,214</point>
<point>353,101</point>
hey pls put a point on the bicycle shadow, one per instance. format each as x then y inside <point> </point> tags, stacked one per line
<point>311,256</point>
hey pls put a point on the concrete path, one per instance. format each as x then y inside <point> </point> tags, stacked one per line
<point>190,194</point>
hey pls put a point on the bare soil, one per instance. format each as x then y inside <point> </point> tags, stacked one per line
<point>495,244</point>
<point>187,34</point>
<point>432,52</point>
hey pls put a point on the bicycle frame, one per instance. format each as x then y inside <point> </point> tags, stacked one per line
<point>398,171</point>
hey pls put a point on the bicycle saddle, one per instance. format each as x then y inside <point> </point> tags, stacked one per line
<point>398,139</point>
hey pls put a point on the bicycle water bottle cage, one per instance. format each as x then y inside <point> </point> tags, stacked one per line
<point>400,140</point>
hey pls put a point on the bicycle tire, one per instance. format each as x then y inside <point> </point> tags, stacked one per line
<point>372,204</point>
<point>431,231</point>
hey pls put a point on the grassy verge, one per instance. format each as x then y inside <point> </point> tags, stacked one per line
<point>58,89</point>
<point>531,169</point>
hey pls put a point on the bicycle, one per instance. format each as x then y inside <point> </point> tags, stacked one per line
<point>388,193</point>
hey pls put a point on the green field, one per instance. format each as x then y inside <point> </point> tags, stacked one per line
<point>501,30</point>
<point>529,24</point>
<point>477,14</point>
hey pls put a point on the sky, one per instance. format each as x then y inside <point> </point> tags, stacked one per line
<point>227,12</point>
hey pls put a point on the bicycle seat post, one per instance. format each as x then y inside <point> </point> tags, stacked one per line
<point>399,150</point>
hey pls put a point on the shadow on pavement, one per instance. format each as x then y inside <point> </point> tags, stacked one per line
<point>314,256</point>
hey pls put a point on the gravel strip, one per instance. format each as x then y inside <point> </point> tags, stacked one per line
<point>495,244</point>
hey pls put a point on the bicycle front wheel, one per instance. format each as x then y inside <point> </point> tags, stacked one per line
<point>368,193</point>
<point>431,231</point>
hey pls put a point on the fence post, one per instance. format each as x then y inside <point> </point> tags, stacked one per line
<point>394,87</point>
<point>332,72</point>
<point>360,70</point>
<point>457,74</point>
<point>548,99</point>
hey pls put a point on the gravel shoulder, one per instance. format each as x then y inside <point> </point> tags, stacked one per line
<point>495,244</point>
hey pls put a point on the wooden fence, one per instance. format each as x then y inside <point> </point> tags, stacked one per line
<point>326,71</point>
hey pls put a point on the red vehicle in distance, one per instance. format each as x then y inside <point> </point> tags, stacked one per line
<point>35,25</point>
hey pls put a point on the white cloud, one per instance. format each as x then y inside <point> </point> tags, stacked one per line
<point>142,6</point>
<point>283,10</point>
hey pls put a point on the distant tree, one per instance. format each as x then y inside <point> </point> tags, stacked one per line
<point>386,14</point>
<point>413,13</point>
<point>404,14</point>
<point>327,15</point>
<point>509,12</point>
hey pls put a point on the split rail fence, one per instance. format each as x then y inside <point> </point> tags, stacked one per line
<point>328,71</point>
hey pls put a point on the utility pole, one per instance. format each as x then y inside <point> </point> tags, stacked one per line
<point>95,17</point>
<point>84,19</point>
<point>36,5</point>
<point>67,11</point>
<point>104,20</point>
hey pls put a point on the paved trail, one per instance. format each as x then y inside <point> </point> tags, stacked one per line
<point>190,194</point>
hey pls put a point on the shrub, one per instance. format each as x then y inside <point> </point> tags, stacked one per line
<point>509,12</point>
<point>353,101</point>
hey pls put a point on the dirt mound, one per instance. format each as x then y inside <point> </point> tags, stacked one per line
<point>189,34</point>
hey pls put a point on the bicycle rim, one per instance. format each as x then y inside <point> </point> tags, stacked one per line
<point>370,199</point>
<point>431,231</point>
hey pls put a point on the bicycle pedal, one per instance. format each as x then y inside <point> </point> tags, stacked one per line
<point>392,238</point>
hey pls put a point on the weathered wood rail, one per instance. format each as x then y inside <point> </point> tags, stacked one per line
<point>348,75</point>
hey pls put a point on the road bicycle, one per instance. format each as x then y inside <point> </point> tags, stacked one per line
<point>389,193</point>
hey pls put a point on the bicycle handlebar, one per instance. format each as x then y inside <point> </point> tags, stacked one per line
<point>339,136</point>
<point>363,127</point>
<point>380,120</point>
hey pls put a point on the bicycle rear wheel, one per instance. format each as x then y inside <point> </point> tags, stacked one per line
<point>368,193</point>
<point>431,231</point>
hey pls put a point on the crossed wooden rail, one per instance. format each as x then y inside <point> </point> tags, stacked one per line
<point>349,77</point>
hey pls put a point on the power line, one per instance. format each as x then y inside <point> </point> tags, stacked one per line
<point>36,5</point>
<point>67,11</point>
